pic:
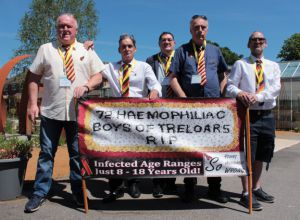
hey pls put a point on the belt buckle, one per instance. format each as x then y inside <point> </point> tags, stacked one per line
<point>259,112</point>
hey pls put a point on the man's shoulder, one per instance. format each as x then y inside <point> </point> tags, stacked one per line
<point>212,47</point>
<point>243,61</point>
<point>270,62</point>
<point>185,46</point>
<point>140,62</point>
<point>79,46</point>
<point>52,44</point>
<point>152,58</point>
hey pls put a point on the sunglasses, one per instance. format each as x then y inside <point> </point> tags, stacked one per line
<point>259,39</point>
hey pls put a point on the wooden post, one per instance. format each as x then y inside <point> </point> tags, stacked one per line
<point>249,162</point>
<point>86,205</point>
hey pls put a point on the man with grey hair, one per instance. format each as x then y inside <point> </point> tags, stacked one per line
<point>129,78</point>
<point>255,81</point>
<point>67,71</point>
<point>198,70</point>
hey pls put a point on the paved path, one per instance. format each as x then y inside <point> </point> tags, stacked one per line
<point>282,180</point>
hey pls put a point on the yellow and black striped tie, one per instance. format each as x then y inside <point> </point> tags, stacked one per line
<point>125,80</point>
<point>260,82</point>
<point>69,64</point>
<point>201,67</point>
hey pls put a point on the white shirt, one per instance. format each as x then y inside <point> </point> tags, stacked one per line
<point>58,102</point>
<point>242,78</point>
<point>141,79</point>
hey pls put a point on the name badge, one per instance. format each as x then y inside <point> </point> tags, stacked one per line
<point>64,82</point>
<point>196,79</point>
<point>166,81</point>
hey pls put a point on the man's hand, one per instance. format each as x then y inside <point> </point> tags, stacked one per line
<point>89,44</point>
<point>247,98</point>
<point>80,90</point>
<point>33,112</point>
<point>153,94</point>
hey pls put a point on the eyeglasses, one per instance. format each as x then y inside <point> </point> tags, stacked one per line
<point>199,16</point>
<point>259,39</point>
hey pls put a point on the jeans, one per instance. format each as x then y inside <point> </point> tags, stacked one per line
<point>50,131</point>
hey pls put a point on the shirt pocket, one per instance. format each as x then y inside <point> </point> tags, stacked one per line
<point>136,79</point>
<point>211,63</point>
<point>190,66</point>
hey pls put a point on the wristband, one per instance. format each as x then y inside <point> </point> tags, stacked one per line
<point>88,89</point>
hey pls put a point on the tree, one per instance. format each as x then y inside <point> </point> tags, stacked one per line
<point>38,24</point>
<point>229,56</point>
<point>290,49</point>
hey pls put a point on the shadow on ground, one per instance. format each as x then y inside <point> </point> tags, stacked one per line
<point>99,188</point>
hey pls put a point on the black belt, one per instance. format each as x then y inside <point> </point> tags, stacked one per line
<point>260,112</point>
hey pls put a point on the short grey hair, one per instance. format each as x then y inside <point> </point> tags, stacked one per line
<point>194,17</point>
<point>69,15</point>
<point>125,36</point>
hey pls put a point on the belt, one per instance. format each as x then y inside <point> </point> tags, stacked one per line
<point>260,112</point>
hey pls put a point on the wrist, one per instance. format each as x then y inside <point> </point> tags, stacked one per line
<point>87,88</point>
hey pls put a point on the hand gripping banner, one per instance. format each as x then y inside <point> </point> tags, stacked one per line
<point>167,137</point>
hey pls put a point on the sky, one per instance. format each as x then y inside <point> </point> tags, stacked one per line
<point>230,24</point>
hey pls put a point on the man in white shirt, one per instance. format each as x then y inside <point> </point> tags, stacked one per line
<point>67,71</point>
<point>255,81</point>
<point>129,78</point>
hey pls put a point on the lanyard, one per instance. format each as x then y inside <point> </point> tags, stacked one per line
<point>120,71</point>
<point>258,76</point>
<point>64,59</point>
<point>195,50</point>
<point>168,64</point>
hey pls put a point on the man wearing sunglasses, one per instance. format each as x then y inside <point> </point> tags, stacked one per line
<point>160,64</point>
<point>198,70</point>
<point>129,78</point>
<point>255,81</point>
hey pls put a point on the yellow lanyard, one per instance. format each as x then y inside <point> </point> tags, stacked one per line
<point>168,64</point>
<point>64,59</point>
<point>120,71</point>
<point>258,76</point>
<point>195,50</point>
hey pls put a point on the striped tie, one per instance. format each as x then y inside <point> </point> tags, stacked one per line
<point>260,82</point>
<point>201,67</point>
<point>125,80</point>
<point>169,90</point>
<point>69,64</point>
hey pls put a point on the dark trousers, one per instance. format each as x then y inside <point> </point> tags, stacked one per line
<point>214,183</point>
<point>162,182</point>
<point>117,183</point>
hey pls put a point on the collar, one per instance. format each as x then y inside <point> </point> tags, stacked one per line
<point>197,47</point>
<point>59,44</point>
<point>131,62</point>
<point>253,58</point>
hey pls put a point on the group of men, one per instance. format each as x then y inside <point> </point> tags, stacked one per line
<point>195,69</point>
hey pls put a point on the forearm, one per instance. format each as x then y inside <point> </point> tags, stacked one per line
<point>94,81</point>
<point>176,87</point>
<point>33,89</point>
<point>223,84</point>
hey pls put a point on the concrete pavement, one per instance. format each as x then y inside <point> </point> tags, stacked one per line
<point>282,180</point>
